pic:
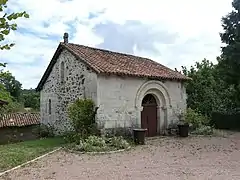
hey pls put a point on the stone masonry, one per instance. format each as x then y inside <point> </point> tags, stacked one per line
<point>118,97</point>
<point>117,101</point>
<point>79,81</point>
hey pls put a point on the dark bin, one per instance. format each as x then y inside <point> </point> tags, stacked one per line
<point>183,130</point>
<point>139,136</point>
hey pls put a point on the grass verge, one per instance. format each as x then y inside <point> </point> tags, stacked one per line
<point>18,153</point>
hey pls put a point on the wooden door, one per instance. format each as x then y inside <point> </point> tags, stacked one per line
<point>149,115</point>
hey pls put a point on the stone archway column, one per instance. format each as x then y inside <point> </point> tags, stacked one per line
<point>139,111</point>
<point>164,117</point>
<point>159,117</point>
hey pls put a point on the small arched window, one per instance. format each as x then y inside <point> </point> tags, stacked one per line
<point>62,68</point>
<point>49,106</point>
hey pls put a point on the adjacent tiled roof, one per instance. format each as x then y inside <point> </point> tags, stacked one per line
<point>19,119</point>
<point>109,62</point>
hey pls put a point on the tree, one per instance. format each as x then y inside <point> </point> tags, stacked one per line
<point>13,86</point>
<point>12,106</point>
<point>207,92</point>
<point>31,98</point>
<point>200,90</point>
<point>4,94</point>
<point>6,24</point>
<point>229,62</point>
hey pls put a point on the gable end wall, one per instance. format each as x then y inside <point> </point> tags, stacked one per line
<point>79,81</point>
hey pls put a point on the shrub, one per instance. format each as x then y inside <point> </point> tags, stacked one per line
<point>96,144</point>
<point>195,119</point>
<point>203,130</point>
<point>95,141</point>
<point>82,116</point>
<point>44,130</point>
<point>124,132</point>
<point>223,120</point>
<point>119,142</point>
<point>72,137</point>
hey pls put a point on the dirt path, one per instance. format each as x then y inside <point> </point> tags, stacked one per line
<point>162,158</point>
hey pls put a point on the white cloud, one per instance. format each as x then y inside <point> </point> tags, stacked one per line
<point>197,24</point>
<point>85,35</point>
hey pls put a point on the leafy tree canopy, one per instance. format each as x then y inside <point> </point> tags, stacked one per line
<point>229,62</point>
<point>11,85</point>
<point>7,24</point>
<point>207,92</point>
<point>31,99</point>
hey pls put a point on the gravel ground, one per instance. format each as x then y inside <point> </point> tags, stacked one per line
<point>161,158</point>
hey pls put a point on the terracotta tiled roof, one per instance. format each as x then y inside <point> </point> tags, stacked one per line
<point>109,62</point>
<point>20,119</point>
<point>105,61</point>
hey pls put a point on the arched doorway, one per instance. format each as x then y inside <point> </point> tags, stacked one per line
<point>149,115</point>
<point>160,92</point>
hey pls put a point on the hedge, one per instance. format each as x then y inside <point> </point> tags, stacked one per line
<point>226,121</point>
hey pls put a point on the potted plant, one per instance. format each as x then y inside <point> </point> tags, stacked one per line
<point>183,126</point>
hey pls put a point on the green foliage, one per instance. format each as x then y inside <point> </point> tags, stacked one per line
<point>10,91</point>
<point>11,85</point>
<point>2,64</point>
<point>204,91</point>
<point>10,88</point>
<point>229,62</point>
<point>72,137</point>
<point>203,130</point>
<point>222,120</point>
<point>199,124</point>
<point>81,114</point>
<point>97,144</point>
<point>18,153</point>
<point>31,99</point>
<point>216,88</point>
<point>12,106</point>
<point>43,131</point>
<point>95,141</point>
<point>6,25</point>
<point>195,118</point>
<point>5,93</point>
<point>118,142</point>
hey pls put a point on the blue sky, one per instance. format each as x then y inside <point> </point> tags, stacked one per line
<point>172,32</point>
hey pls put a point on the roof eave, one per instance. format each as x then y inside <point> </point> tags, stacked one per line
<point>183,79</point>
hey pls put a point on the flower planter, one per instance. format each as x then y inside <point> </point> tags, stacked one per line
<point>139,136</point>
<point>183,130</point>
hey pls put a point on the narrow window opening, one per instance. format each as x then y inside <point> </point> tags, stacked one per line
<point>62,72</point>
<point>46,108</point>
<point>49,106</point>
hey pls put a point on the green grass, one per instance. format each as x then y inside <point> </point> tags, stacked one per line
<point>12,155</point>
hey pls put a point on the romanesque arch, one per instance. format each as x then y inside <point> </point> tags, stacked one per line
<point>163,99</point>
